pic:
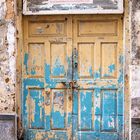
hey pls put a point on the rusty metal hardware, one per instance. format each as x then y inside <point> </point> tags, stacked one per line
<point>66,84</point>
<point>75,58</point>
<point>71,84</point>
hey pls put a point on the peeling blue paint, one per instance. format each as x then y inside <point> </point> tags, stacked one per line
<point>58,120</point>
<point>120,103</point>
<point>58,117</point>
<point>32,135</point>
<point>51,82</point>
<point>97,74</point>
<point>58,69</point>
<point>97,123</point>
<point>97,106</point>
<point>111,68</point>
<point>38,113</point>
<point>106,75</point>
<point>26,56</point>
<point>47,73</point>
<point>33,72</point>
<point>109,110</point>
<point>121,77</point>
<point>48,122</point>
<point>85,110</point>
<point>29,83</point>
<point>91,71</point>
<point>121,59</point>
<point>97,109</point>
<point>75,102</point>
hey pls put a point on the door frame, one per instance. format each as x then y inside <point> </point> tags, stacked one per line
<point>127,61</point>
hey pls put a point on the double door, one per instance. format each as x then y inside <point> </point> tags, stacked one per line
<point>72,78</point>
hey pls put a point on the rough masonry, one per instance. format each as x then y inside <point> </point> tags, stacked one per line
<point>135,69</point>
<point>135,59</point>
<point>7,56</point>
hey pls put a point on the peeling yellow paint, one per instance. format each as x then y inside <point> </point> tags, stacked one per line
<point>39,135</point>
<point>77,68</point>
<point>32,109</point>
<point>30,104</point>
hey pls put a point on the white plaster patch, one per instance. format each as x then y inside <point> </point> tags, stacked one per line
<point>2,9</point>
<point>2,37</point>
<point>137,15</point>
<point>111,123</point>
<point>135,81</point>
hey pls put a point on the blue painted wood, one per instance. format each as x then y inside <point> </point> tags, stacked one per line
<point>40,92</point>
<point>85,122</point>
<point>36,96</point>
<point>97,108</point>
<point>107,102</point>
<point>58,118</point>
<point>109,110</point>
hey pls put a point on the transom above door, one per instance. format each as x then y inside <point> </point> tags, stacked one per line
<point>73,77</point>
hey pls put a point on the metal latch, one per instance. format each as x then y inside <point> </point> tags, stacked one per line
<point>75,58</point>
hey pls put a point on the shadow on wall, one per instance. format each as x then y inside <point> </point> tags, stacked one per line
<point>135,129</point>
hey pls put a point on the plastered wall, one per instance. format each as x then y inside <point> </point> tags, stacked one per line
<point>135,59</point>
<point>7,56</point>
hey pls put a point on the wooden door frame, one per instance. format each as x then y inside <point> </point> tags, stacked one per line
<point>126,52</point>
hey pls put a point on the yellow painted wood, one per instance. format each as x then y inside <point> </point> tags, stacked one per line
<point>105,33</point>
<point>98,41</point>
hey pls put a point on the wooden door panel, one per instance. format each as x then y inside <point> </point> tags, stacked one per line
<point>47,28</point>
<point>33,63</point>
<point>86,60</point>
<point>47,70</point>
<point>73,77</point>
<point>99,78</point>
<point>109,60</point>
<point>36,109</point>
<point>99,27</point>
<point>58,60</point>
<point>85,110</point>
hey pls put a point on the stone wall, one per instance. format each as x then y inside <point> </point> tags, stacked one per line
<point>7,70</point>
<point>135,69</point>
<point>135,59</point>
<point>7,56</point>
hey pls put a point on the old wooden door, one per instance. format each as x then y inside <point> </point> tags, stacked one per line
<point>73,78</point>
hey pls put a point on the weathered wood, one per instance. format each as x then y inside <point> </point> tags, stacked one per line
<point>47,7</point>
<point>86,82</point>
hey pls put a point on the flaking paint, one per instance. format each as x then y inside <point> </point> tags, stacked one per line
<point>7,100</point>
<point>93,104</point>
